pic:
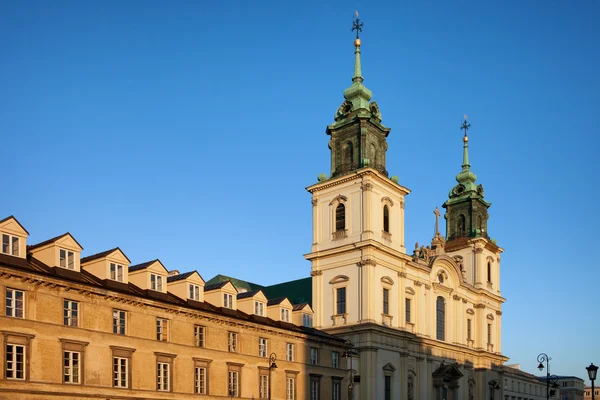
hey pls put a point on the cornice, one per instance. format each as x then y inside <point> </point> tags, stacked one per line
<point>361,173</point>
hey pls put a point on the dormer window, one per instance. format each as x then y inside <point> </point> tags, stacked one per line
<point>116,272</point>
<point>10,245</point>
<point>227,300</point>
<point>307,320</point>
<point>285,315</point>
<point>156,282</point>
<point>259,308</point>
<point>194,292</point>
<point>66,259</point>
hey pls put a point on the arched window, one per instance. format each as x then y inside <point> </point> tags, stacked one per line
<point>489,272</point>
<point>340,217</point>
<point>386,219</point>
<point>440,317</point>
<point>461,224</point>
<point>409,388</point>
<point>348,154</point>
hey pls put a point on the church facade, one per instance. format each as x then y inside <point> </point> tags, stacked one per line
<point>425,325</point>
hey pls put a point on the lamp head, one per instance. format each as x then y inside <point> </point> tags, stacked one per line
<point>541,367</point>
<point>592,371</point>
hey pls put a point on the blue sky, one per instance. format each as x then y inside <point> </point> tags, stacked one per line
<point>188,131</point>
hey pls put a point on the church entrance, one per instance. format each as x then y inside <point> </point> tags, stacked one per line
<point>446,382</point>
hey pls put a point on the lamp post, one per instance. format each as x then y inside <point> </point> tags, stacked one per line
<point>272,366</point>
<point>348,356</point>
<point>543,358</point>
<point>494,384</point>
<point>592,370</point>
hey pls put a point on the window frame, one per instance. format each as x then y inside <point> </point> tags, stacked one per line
<point>12,239</point>
<point>232,342</point>
<point>440,319</point>
<point>200,336</point>
<point>336,388</point>
<point>263,383</point>
<point>156,282</point>
<point>314,360</point>
<point>289,352</point>
<point>194,292</point>
<point>68,318</point>
<point>201,364</point>
<point>116,272</point>
<point>386,300</point>
<point>228,300</point>
<point>69,258</point>
<point>386,219</point>
<point>234,369</point>
<point>162,330</point>
<point>341,305</point>
<point>408,310</point>
<point>335,359</point>
<point>14,303</point>
<point>285,315</point>
<point>117,322</point>
<point>259,308</point>
<point>78,347</point>
<point>290,393</point>
<point>307,320</point>
<point>123,354</point>
<point>263,344</point>
<point>315,383</point>
<point>340,217</point>
<point>68,378</point>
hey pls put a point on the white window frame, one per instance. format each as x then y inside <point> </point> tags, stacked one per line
<point>200,382</point>
<point>307,320</point>
<point>15,307</point>
<point>163,377</point>
<point>262,347</point>
<point>194,292</point>
<point>335,359</point>
<point>336,390</point>
<point>314,389</point>
<point>8,245</point>
<point>71,313</point>
<point>228,300</point>
<point>232,342</point>
<point>13,366</point>
<point>119,321</point>
<point>162,329</point>
<point>263,387</point>
<point>233,384</point>
<point>66,259</point>
<point>285,315</point>
<point>116,272</point>
<point>314,356</point>
<point>259,308</point>
<point>156,282</point>
<point>72,371</point>
<point>290,385</point>
<point>199,335</point>
<point>120,371</point>
<point>289,352</point>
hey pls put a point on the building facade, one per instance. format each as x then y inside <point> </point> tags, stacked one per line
<point>520,385</point>
<point>568,387</point>
<point>587,393</point>
<point>99,328</point>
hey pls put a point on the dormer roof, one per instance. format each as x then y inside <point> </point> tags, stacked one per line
<point>245,295</point>
<point>185,275</point>
<point>103,255</point>
<point>302,306</point>
<point>15,221</point>
<point>146,265</point>
<point>53,240</point>
<point>279,301</point>
<point>216,286</point>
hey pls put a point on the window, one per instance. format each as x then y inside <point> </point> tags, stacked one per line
<point>335,359</point>
<point>194,292</point>
<point>314,356</point>
<point>156,282</point>
<point>120,372</point>
<point>285,315</point>
<point>232,343</point>
<point>264,387</point>
<point>10,245</point>
<point>340,217</point>
<point>307,320</point>
<point>289,352</point>
<point>15,361</point>
<point>489,333</point>
<point>386,219</point>
<point>163,376</point>
<point>71,313</point>
<point>262,347</point>
<point>200,380</point>
<point>67,259</point>
<point>227,300</point>
<point>119,322</point>
<point>314,388</point>
<point>290,385</point>
<point>386,301</point>
<point>116,272</point>
<point>461,225</point>
<point>387,390</point>
<point>162,329</point>
<point>199,335</point>
<point>15,303</point>
<point>489,272</point>
<point>440,318</point>
<point>71,369</point>
<point>259,308</point>
<point>341,300</point>
<point>407,310</point>
<point>336,390</point>
<point>233,380</point>
<point>469,330</point>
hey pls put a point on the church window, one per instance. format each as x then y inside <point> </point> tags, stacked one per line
<point>386,219</point>
<point>341,300</point>
<point>489,272</point>
<point>407,309</point>
<point>461,224</point>
<point>409,388</point>
<point>489,333</point>
<point>388,388</point>
<point>340,217</point>
<point>469,329</point>
<point>440,318</point>
<point>386,301</point>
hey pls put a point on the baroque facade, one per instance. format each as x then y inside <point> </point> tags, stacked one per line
<point>98,328</point>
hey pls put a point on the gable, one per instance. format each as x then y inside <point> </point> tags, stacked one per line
<point>68,242</point>
<point>118,256</point>
<point>12,226</point>
<point>157,267</point>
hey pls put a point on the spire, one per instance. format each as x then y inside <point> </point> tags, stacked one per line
<point>466,177</point>
<point>357,93</point>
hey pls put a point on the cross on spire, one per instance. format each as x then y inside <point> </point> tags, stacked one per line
<point>465,125</point>
<point>357,25</point>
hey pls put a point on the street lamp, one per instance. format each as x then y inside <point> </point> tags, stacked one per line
<point>543,358</point>
<point>592,370</point>
<point>494,384</point>
<point>272,366</point>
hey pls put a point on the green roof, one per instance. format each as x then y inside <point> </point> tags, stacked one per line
<point>297,292</point>
<point>238,283</point>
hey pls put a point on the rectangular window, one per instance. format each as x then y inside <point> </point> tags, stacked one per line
<point>67,259</point>
<point>489,333</point>
<point>162,381</point>
<point>341,300</point>
<point>199,335</point>
<point>162,330</point>
<point>289,352</point>
<point>156,282</point>
<point>227,300</point>
<point>71,370</point>
<point>407,310</point>
<point>314,389</point>
<point>290,384</point>
<point>387,390</point>
<point>386,301</point>
<point>116,272</point>
<point>307,320</point>
<point>264,387</point>
<point>200,380</point>
<point>336,390</point>
<point>335,359</point>
<point>232,342</point>
<point>194,292</point>
<point>10,245</point>
<point>233,381</point>
<point>259,308</point>
<point>469,330</point>
<point>15,362</point>
<point>262,347</point>
<point>285,315</point>
<point>120,372</point>
<point>314,356</point>
<point>119,322</point>
<point>15,303</point>
<point>71,313</point>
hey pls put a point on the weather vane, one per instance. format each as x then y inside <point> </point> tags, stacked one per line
<point>465,125</point>
<point>357,25</point>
